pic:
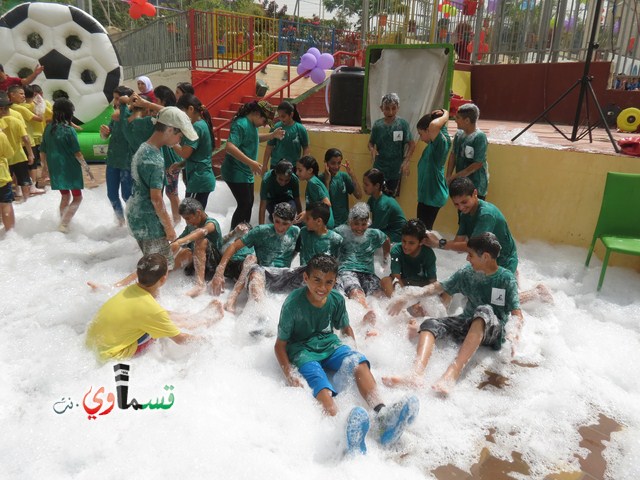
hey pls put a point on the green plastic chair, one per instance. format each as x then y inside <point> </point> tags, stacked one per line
<point>618,225</point>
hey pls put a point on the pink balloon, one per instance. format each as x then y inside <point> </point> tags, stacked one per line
<point>325,61</point>
<point>309,61</point>
<point>301,69</point>
<point>317,75</point>
<point>314,51</point>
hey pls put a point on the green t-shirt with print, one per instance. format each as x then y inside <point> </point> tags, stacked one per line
<point>310,244</point>
<point>308,330</point>
<point>316,192</point>
<point>470,149</point>
<point>390,140</point>
<point>200,177</point>
<point>272,191</point>
<point>290,147</point>
<point>432,186</point>
<point>60,144</point>
<point>500,291</point>
<point>413,270</point>
<point>147,171</point>
<point>119,152</point>
<point>356,252</point>
<point>387,215</point>
<point>244,135</point>
<point>214,238</point>
<point>272,250</point>
<point>488,218</point>
<point>340,188</point>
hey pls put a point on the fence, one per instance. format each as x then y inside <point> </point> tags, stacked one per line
<point>487,31</point>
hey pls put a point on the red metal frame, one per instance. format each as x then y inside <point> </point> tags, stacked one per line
<point>212,74</point>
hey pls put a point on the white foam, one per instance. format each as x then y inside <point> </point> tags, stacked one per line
<point>234,417</point>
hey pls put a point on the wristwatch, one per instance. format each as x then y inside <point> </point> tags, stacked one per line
<point>442,242</point>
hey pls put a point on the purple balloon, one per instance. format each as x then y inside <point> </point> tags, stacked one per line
<point>492,5</point>
<point>301,69</point>
<point>308,61</point>
<point>616,27</point>
<point>325,61</point>
<point>569,23</point>
<point>317,75</point>
<point>314,51</point>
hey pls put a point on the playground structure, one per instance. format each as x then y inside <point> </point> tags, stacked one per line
<point>482,32</point>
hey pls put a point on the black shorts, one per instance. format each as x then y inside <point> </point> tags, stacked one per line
<point>21,171</point>
<point>36,158</point>
<point>6,193</point>
<point>348,281</point>
<point>213,258</point>
<point>234,269</point>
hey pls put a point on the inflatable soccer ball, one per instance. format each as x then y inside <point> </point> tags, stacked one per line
<point>74,49</point>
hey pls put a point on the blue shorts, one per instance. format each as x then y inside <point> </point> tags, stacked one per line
<point>6,193</point>
<point>315,372</point>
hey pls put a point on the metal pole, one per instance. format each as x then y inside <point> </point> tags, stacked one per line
<point>365,22</point>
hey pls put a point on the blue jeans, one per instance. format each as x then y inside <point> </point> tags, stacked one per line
<point>118,182</point>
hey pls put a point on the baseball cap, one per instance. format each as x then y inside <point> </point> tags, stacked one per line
<point>4,100</point>
<point>268,110</point>
<point>176,118</point>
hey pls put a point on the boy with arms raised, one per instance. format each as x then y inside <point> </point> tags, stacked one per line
<point>198,246</point>
<point>492,295</point>
<point>129,322</point>
<point>306,340</point>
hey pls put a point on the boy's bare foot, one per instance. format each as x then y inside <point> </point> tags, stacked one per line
<point>372,332</point>
<point>216,310</point>
<point>411,381</point>
<point>544,293</point>
<point>413,329</point>
<point>196,291</point>
<point>445,384</point>
<point>369,317</point>
<point>63,228</point>
<point>230,306</point>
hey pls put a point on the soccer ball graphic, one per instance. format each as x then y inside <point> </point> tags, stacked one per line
<point>74,49</point>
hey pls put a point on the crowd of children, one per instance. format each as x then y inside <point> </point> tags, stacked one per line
<point>156,133</point>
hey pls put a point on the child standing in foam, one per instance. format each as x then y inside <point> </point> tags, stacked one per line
<point>196,154</point>
<point>293,145</point>
<point>386,212</point>
<point>390,143</point>
<point>6,192</point>
<point>307,169</point>
<point>340,184</point>
<point>61,150</point>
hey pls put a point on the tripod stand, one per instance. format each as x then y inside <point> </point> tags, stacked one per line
<point>585,87</point>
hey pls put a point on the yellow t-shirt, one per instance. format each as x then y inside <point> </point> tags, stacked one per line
<point>5,152</point>
<point>15,130</point>
<point>27,115</point>
<point>123,319</point>
<point>35,128</point>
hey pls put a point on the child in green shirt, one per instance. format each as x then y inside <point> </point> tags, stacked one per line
<point>306,341</point>
<point>469,153</point>
<point>198,247</point>
<point>390,143</point>
<point>315,237</point>
<point>492,295</point>
<point>386,212</point>
<point>340,184</point>
<point>307,169</point>
<point>357,276</point>
<point>432,186</point>
<point>412,264</point>
<point>279,185</point>
<point>295,142</point>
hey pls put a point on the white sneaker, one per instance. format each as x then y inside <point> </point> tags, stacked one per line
<point>33,190</point>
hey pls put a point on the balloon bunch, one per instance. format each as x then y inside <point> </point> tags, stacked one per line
<point>316,62</point>
<point>139,8</point>
<point>447,9</point>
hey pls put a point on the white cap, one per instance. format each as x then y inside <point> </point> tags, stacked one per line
<point>176,118</point>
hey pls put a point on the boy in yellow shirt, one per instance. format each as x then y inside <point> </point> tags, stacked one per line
<point>17,134</point>
<point>6,192</point>
<point>35,130</point>
<point>129,322</point>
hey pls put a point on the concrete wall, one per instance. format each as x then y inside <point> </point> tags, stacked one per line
<point>548,195</point>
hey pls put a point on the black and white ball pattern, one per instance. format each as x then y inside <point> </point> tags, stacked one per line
<point>74,49</point>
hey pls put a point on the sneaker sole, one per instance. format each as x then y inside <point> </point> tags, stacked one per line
<point>357,428</point>
<point>407,415</point>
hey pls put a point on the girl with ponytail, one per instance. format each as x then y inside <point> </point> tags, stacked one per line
<point>293,145</point>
